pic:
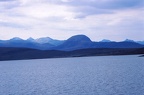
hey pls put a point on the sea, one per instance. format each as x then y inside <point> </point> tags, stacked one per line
<point>98,75</point>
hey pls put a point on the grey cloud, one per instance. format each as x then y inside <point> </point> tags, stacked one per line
<point>13,25</point>
<point>108,4</point>
<point>91,7</point>
<point>122,4</point>
<point>6,0</point>
<point>8,4</point>
<point>84,11</point>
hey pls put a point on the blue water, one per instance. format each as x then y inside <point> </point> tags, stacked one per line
<point>102,75</point>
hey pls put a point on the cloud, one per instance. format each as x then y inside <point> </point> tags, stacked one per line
<point>8,4</point>
<point>45,10</point>
<point>6,0</point>
<point>13,25</point>
<point>112,19</point>
<point>107,4</point>
<point>92,7</point>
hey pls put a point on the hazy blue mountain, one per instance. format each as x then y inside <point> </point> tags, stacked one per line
<point>117,45</point>
<point>105,40</point>
<point>140,42</point>
<point>2,41</point>
<point>128,40</point>
<point>31,39</point>
<point>43,40</point>
<point>16,39</point>
<point>18,42</point>
<point>82,42</point>
<point>56,42</point>
<point>75,42</point>
<point>49,40</point>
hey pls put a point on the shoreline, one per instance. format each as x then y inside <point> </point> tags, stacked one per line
<point>138,55</point>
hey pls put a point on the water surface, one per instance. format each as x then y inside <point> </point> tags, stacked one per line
<point>102,75</point>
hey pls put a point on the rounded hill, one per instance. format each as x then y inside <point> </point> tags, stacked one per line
<point>79,38</point>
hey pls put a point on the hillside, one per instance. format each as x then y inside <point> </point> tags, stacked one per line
<point>26,53</point>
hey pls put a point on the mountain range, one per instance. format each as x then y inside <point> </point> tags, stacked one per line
<point>73,43</point>
<point>76,46</point>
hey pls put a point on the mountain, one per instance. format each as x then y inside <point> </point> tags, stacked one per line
<point>117,45</point>
<point>105,40</point>
<point>140,42</point>
<point>76,46</point>
<point>83,42</point>
<point>45,40</point>
<point>18,42</point>
<point>16,39</point>
<point>128,40</point>
<point>31,39</point>
<point>75,42</point>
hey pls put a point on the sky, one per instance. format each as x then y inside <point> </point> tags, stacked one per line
<point>60,19</point>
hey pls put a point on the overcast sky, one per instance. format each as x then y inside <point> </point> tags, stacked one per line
<point>98,19</point>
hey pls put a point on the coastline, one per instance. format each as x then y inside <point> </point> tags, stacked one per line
<point>26,54</point>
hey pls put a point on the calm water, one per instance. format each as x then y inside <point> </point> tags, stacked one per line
<point>105,75</point>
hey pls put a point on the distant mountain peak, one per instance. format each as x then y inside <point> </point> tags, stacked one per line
<point>140,42</point>
<point>128,40</point>
<point>105,40</point>
<point>30,38</point>
<point>43,40</point>
<point>75,42</point>
<point>79,38</point>
<point>16,38</point>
